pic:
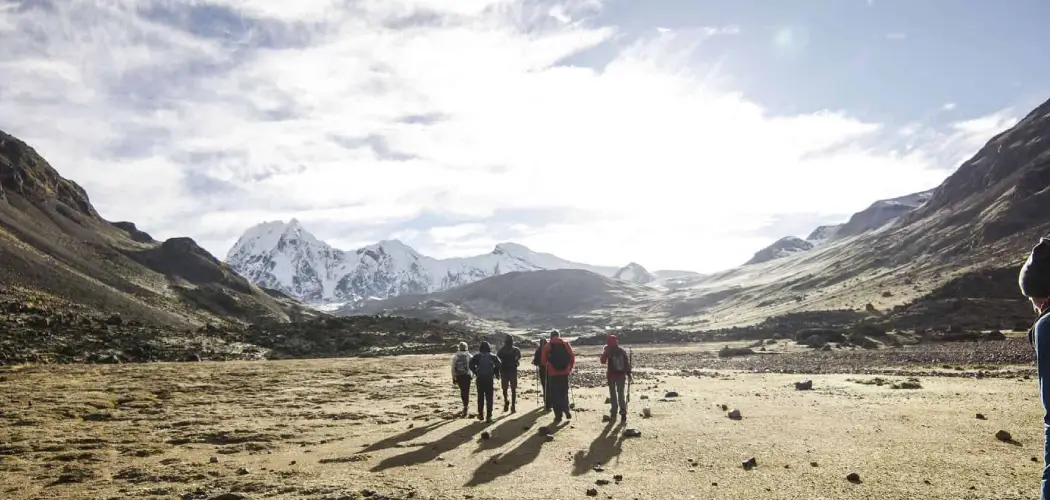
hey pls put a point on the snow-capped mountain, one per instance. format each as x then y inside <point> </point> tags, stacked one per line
<point>634,273</point>
<point>285,257</point>
<point>781,248</point>
<point>877,215</point>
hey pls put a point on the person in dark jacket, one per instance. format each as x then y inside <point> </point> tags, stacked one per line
<point>618,370</point>
<point>558,359</point>
<point>542,374</point>
<point>485,366</point>
<point>509,356</point>
<point>1034,281</point>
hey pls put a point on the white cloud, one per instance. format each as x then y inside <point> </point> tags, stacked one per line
<point>948,106</point>
<point>447,123</point>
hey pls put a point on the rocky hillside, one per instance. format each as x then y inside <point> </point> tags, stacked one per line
<point>519,299</point>
<point>61,259</point>
<point>286,257</point>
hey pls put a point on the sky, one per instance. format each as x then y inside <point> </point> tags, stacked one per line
<point>679,134</point>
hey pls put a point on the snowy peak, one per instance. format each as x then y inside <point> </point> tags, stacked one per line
<point>823,234</point>
<point>634,273</point>
<point>286,257</point>
<point>781,248</point>
<point>881,213</point>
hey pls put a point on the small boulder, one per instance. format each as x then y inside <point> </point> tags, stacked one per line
<point>592,492</point>
<point>750,463</point>
<point>486,435</point>
<point>805,385</point>
<point>1004,436</point>
<point>853,477</point>
<point>980,416</point>
<point>735,415</point>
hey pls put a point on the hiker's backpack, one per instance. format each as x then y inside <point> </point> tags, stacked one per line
<point>618,361</point>
<point>509,358</point>
<point>461,365</point>
<point>558,357</point>
<point>486,367</point>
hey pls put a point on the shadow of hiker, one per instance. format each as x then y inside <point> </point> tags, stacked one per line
<point>409,435</point>
<point>606,446</point>
<point>520,456</point>
<point>510,429</point>
<point>431,451</point>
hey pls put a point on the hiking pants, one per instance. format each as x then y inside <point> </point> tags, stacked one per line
<point>463,381</point>
<point>485,390</point>
<point>543,388</point>
<point>509,379</point>
<point>618,396</point>
<point>1042,362</point>
<point>558,385</point>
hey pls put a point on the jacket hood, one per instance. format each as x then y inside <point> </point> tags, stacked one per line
<point>556,340</point>
<point>509,342</point>
<point>612,341</point>
<point>485,347</point>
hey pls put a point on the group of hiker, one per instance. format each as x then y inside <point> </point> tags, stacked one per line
<point>554,360</point>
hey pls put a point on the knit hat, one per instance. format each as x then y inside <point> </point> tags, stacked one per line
<point>1034,278</point>
<point>463,346</point>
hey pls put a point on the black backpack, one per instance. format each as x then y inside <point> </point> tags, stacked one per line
<point>558,357</point>
<point>508,357</point>
<point>486,366</point>
<point>618,361</point>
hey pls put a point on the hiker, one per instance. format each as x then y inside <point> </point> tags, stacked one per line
<point>485,366</point>
<point>617,372</point>
<point>509,356</point>
<point>558,358</point>
<point>461,375</point>
<point>1034,281</point>
<point>541,372</point>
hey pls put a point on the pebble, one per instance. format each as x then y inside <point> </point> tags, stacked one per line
<point>735,415</point>
<point>1003,436</point>
<point>486,435</point>
<point>854,478</point>
<point>981,417</point>
<point>242,471</point>
<point>592,492</point>
<point>750,463</point>
<point>213,460</point>
<point>602,482</point>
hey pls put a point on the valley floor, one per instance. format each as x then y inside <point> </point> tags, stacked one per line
<point>331,429</point>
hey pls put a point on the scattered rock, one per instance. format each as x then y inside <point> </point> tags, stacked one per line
<point>647,412</point>
<point>632,433</point>
<point>644,397</point>
<point>602,482</point>
<point>981,417</point>
<point>618,478</point>
<point>853,477</point>
<point>750,463</point>
<point>814,464</point>
<point>1004,436</point>
<point>735,415</point>
<point>671,394</point>
<point>805,385</point>
<point>242,471</point>
<point>592,492</point>
<point>485,435</point>
<point>724,407</point>
<point>213,460</point>
<point>606,418</point>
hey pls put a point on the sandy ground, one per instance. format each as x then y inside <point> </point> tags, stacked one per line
<point>331,429</point>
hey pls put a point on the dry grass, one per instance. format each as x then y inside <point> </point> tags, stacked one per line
<point>328,429</point>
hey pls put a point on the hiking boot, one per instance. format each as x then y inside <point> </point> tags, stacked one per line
<point>481,417</point>
<point>506,405</point>
<point>513,409</point>
<point>489,419</point>
<point>557,420</point>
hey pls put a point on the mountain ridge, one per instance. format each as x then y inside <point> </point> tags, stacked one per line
<point>285,256</point>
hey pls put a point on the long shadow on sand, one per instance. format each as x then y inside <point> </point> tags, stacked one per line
<point>605,447</point>
<point>510,429</point>
<point>430,451</point>
<point>414,433</point>
<point>505,463</point>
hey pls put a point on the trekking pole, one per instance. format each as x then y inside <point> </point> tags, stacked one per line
<point>630,380</point>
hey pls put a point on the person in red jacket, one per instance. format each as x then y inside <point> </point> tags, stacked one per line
<point>617,372</point>
<point>559,360</point>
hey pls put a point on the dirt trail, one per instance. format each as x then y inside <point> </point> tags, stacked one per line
<point>330,429</point>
